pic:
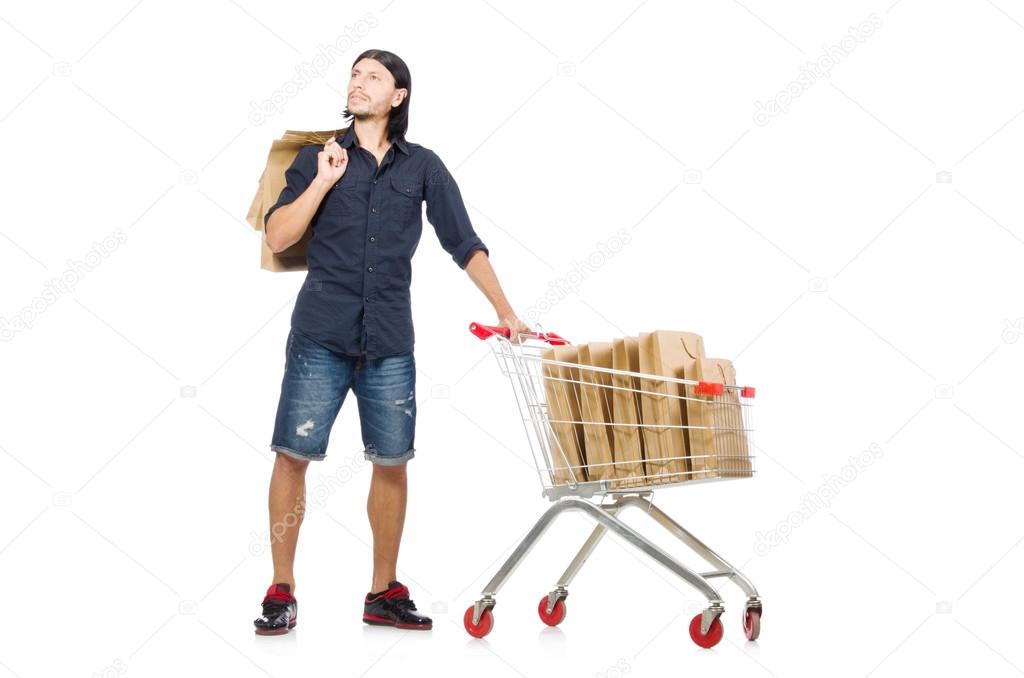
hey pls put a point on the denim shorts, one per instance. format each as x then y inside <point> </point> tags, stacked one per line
<point>316,381</point>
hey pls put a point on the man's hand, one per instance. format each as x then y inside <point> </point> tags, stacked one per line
<point>331,162</point>
<point>515,326</point>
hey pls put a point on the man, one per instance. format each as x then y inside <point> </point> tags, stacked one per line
<point>361,194</point>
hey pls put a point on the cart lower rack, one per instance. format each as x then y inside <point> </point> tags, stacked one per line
<point>612,434</point>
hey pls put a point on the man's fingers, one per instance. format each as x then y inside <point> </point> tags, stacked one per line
<point>330,152</point>
<point>334,154</point>
<point>331,146</point>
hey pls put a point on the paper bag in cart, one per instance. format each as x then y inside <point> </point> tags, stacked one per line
<point>565,437</point>
<point>665,407</point>
<point>272,182</point>
<point>724,444</point>
<point>627,439</point>
<point>596,408</point>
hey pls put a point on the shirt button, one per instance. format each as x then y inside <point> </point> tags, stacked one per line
<point>374,209</point>
<point>374,181</point>
<point>370,269</point>
<point>373,239</point>
<point>407,190</point>
<point>367,298</point>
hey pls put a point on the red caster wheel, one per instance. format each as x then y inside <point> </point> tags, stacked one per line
<point>557,613</point>
<point>483,627</point>
<point>752,623</point>
<point>713,636</point>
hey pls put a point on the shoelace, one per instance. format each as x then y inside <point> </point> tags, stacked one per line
<point>272,609</point>
<point>273,604</point>
<point>399,597</point>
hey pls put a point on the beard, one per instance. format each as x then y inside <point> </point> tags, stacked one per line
<point>363,110</point>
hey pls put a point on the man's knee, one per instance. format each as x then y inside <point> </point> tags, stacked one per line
<point>290,464</point>
<point>390,470</point>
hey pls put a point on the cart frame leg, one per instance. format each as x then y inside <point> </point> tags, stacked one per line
<point>606,519</point>
<point>700,548</point>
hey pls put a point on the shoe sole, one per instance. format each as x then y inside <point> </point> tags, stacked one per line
<point>279,631</point>
<point>379,621</point>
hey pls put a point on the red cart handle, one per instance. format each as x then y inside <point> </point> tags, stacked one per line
<point>485,331</point>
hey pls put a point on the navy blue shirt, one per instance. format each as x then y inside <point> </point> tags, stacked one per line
<point>355,298</point>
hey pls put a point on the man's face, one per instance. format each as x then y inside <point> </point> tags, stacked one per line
<point>371,90</point>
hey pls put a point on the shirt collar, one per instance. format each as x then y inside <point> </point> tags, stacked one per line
<point>350,138</point>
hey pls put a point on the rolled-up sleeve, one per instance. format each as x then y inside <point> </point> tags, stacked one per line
<point>298,177</point>
<point>446,212</point>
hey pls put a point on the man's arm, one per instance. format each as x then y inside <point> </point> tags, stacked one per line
<point>288,222</point>
<point>447,213</point>
<point>306,185</point>
<point>480,271</point>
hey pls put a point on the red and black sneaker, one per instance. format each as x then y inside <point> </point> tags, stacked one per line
<point>279,611</point>
<point>393,607</point>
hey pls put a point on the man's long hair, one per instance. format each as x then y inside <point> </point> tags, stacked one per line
<point>398,118</point>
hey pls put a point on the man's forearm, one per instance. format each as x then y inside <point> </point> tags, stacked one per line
<point>482,273</point>
<point>288,222</point>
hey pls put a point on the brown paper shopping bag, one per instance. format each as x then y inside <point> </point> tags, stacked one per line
<point>628,442</point>
<point>596,408</point>
<point>565,437</point>
<point>667,411</point>
<point>272,182</point>
<point>725,443</point>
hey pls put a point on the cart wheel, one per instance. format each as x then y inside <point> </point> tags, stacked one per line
<point>752,623</point>
<point>483,628</point>
<point>557,613</point>
<point>713,636</point>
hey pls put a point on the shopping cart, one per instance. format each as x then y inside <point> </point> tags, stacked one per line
<point>564,405</point>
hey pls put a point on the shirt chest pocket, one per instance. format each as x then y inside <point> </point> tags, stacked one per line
<point>348,195</point>
<point>405,198</point>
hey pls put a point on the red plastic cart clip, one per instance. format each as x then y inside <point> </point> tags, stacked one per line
<point>709,388</point>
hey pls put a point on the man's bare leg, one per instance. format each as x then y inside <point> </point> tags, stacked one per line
<point>385,506</point>
<point>287,507</point>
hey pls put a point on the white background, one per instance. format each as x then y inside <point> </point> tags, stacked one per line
<point>869,298</point>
